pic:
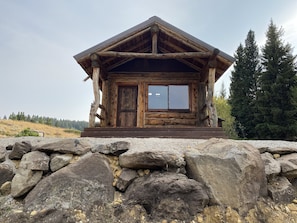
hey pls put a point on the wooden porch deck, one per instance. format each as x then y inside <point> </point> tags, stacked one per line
<point>187,133</point>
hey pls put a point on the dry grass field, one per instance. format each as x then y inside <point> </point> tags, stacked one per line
<point>10,128</point>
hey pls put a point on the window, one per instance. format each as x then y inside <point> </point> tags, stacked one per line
<point>168,97</point>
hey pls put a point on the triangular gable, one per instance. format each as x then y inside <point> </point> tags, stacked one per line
<point>138,39</point>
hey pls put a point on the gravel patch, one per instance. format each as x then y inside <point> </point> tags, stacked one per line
<point>271,143</point>
<point>153,144</point>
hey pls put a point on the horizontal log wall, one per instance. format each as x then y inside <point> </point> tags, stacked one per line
<point>169,118</point>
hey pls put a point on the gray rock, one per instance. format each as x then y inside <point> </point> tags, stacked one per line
<point>126,178</point>
<point>59,160</point>
<point>281,190</point>
<point>233,172</point>
<point>79,185</point>
<point>2,153</point>
<point>5,188</point>
<point>6,172</point>
<point>72,146</point>
<point>24,181</point>
<point>152,160</point>
<point>281,150</point>
<point>272,167</point>
<point>116,148</point>
<point>288,165</point>
<point>35,161</point>
<point>289,157</point>
<point>19,149</point>
<point>167,195</point>
<point>263,149</point>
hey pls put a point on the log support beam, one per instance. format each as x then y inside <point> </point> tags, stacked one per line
<point>96,103</point>
<point>212,112</point>
<point>202,109</point>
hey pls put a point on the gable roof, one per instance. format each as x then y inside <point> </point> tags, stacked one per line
<point>139,39</point>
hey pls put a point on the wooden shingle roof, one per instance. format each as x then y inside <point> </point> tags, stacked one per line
<point>138,39</point>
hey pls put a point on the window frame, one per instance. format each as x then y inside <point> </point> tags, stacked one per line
<point>168,95</point>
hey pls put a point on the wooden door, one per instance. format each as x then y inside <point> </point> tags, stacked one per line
<point>127,106</point>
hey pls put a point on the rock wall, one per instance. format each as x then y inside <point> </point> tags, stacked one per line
<point>88,180</point>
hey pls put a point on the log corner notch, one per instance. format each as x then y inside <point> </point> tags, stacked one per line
<point>95,76</point>
<point>212,112</point>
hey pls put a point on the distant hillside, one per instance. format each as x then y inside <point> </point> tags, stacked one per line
<point>10,128</point>
<point>62,123</point>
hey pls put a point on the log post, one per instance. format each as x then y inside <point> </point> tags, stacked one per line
<point>212,112</point>
<point>202,110</point>
<point>154,33</point>
<point>95,77</point>
<point>104,102</point>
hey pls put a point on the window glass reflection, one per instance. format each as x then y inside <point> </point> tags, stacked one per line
<point>158,97</point>
<point>178,97</point>
<point>168,97</point>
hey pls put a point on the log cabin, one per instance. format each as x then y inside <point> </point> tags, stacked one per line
<point>153,80</point>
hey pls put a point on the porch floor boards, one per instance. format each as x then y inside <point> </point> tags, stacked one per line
<point>188,133</point>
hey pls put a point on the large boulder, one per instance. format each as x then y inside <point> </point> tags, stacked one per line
<point>6,172</point>
<point>115,148</point>
<point>281,150</point>
<point>272,167</point>
<point>29,173</point>
<point>79,185</point>
<point>72,146</point>
<point>288,165</point>
<point>24,181</point>
<point>35,161</point>
<point>59,160</point>
<point>281,190</point>
<point>125,179</point>
<point>233,172</point>
<point>167,195</point>
<point>166,160</point>
<point>19,149</point>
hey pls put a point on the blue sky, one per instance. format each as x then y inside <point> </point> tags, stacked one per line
<point>39,38</point>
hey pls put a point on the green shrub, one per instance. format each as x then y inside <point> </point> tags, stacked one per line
<point>27,132</point>
<point>75,131</point>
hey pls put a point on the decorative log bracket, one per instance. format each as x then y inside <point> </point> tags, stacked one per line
<point>212,63</point>
<point>99,116</point>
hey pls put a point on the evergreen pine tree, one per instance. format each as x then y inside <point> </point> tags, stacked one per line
<point>236,92</point>
<point>277,111</point>
<point>244,86</point>
<point>252,72</point>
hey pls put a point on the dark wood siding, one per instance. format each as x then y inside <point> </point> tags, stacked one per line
<point>127,106</point>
